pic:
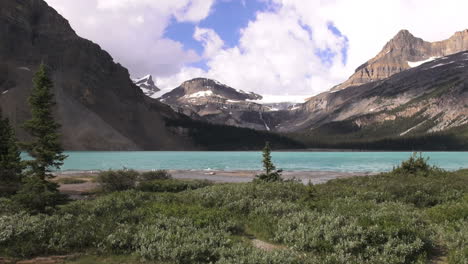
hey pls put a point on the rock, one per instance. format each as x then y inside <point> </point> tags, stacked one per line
<point>428,98</point>
<point>399,54</point>
<point>217,103</point>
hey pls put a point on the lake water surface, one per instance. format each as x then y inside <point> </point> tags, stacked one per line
<point>229,161</point>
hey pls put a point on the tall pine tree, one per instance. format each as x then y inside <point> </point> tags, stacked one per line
<point>10,161</point>
<point>38,194</point>
<point>45,148</point>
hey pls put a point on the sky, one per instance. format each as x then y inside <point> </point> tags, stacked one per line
<point>286,50</point>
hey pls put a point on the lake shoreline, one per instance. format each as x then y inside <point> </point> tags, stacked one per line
<point>235,176</point>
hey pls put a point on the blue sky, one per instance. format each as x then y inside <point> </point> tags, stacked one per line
<point>226,18</point>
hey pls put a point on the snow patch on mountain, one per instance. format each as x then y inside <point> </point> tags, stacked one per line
<point>200,94</point>
<point>414,64</point>
<point>147,85</point>
<point>441,64</point>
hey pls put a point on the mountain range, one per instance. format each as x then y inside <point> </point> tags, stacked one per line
<point>412,95</point>
<point>411,89</point>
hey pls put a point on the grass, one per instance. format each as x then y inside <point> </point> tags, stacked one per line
<point>414,214</point>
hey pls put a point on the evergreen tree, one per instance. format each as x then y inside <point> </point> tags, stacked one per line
<point>271,174</point>
<point>38,194</point>
<point>268,165</point>
<point>10,161</point>
<point>45,148</point>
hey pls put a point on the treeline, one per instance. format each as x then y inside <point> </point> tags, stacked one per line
<point>209,136</point>
<point>342,135</point>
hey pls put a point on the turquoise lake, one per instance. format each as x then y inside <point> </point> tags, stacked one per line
<point>292,161</point>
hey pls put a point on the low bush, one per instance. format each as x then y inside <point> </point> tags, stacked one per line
<point>396,218</point>
<point>70,181</point>
<point>121,180</point>
<point>154,175</point>
<point>416,164</point>
<point>38,196</point>
<point>360,234</point>
<point>172,186</point>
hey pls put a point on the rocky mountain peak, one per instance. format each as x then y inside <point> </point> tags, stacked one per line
<point>214,102</point>
<point>403,39</point>
<point>203,87</point>
<point>402,52</point>
<point>404,34</point>
<point>462,33</point>
<point>147,85</point>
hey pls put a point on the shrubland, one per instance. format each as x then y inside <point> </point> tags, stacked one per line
<point>413,214</point>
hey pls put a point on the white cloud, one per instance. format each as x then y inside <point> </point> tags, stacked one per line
<point>211,41</point>
<point>276,55</point>
<point>132,31</point>
<point>183,10</point>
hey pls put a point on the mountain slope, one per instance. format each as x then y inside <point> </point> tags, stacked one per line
<point>97,103</point>
<point>217,103</point>
<point>431,98</point>
<point>403,52</point>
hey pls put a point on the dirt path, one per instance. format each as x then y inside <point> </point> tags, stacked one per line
<point>265,245</point>
<point>39,260</point>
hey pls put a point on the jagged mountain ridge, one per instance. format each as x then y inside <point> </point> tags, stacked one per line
<point>147,85</point>
<point>403,52</point>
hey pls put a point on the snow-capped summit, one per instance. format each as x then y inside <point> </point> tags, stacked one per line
<point>147,85</point>
<point>206,89</point>
<point>217,103</point>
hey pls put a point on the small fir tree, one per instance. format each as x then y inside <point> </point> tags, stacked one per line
<point>271,174</point>
<point>10,161</point>
<point>37,193</point>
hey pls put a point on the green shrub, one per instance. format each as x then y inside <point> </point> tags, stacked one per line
<point>177,240</point>
<point>242,197</point>
<point>173,186</point>
<point>389,218</point>
<point>354,233</point>
<point>154,175</point>
<point>70,181</point>
<point>38,195</point>
<point>449,212</point>
<point>454,236</point>
<point>121,180</point>
<point>200,216</point>
<point>416,164</point>
<point>7,206</point>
